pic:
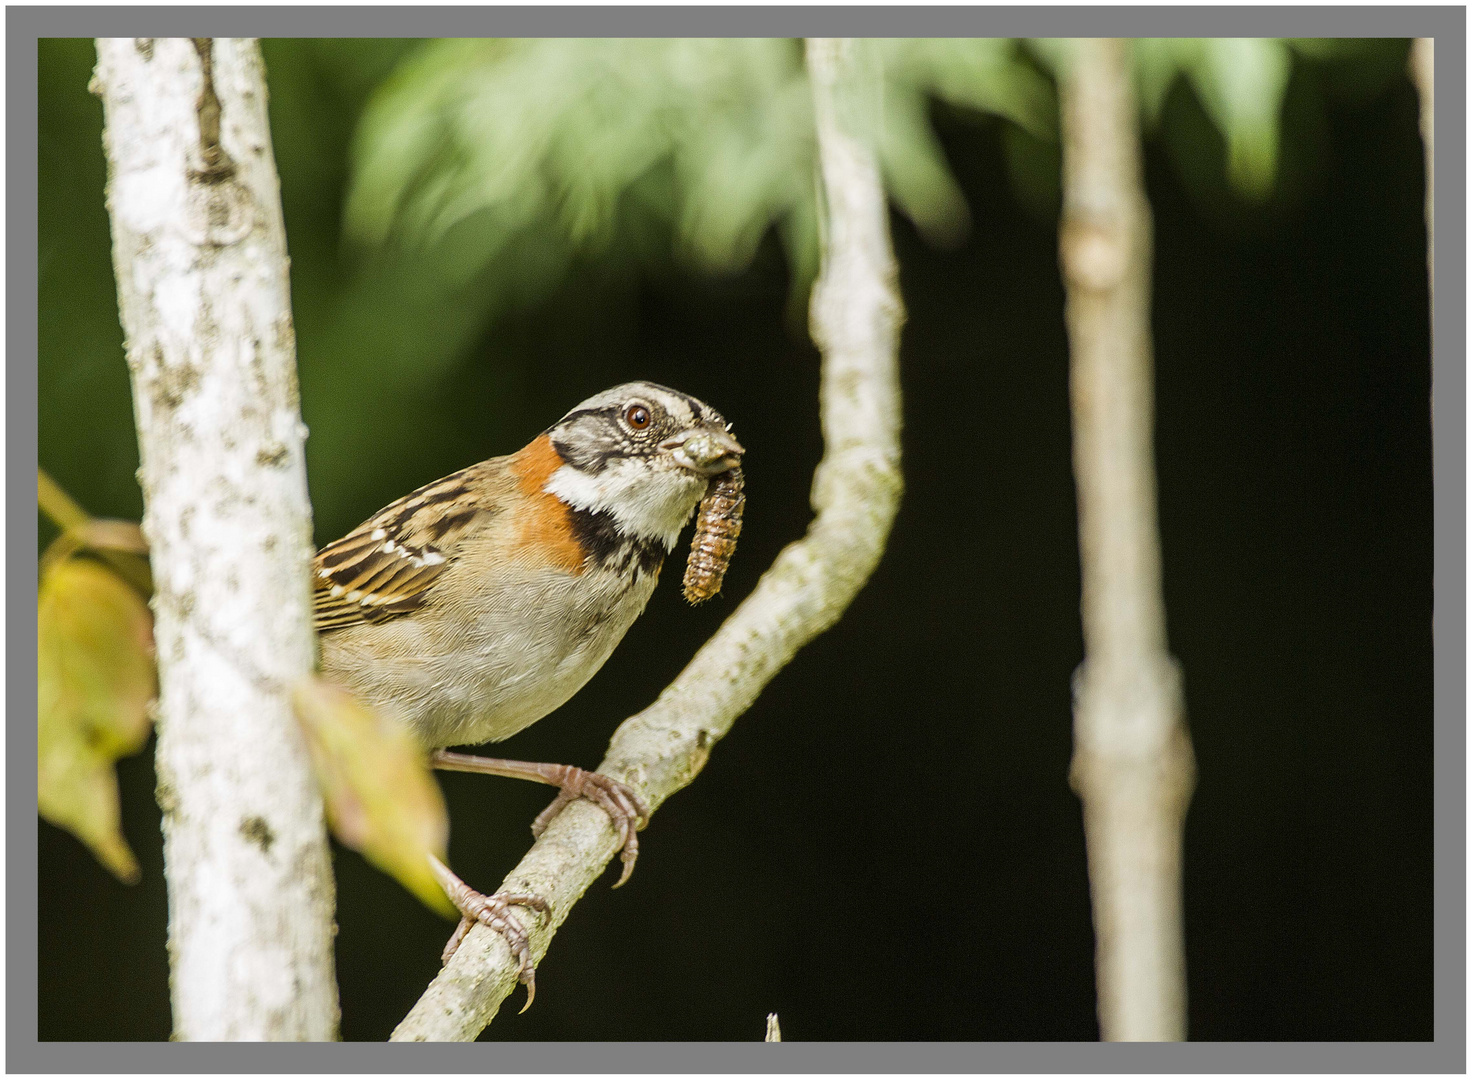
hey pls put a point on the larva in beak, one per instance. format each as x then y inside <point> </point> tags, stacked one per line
<point>717,525</point>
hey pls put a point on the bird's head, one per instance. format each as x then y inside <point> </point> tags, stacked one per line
<point>642,453</point>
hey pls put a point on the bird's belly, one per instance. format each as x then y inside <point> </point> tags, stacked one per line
<point>515,658</point>
<point>513,683</point>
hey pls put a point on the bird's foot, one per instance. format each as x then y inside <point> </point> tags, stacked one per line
<point>495,912</point>
<point>624,806</point>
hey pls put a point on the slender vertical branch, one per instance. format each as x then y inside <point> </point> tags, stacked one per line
<point>856,315</point>
<point>200,256</point>
<point>1423,70</point>
<point>1132,764</point>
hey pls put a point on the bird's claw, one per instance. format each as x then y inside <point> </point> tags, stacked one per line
<point>495,912</point>
<point>624,806</point>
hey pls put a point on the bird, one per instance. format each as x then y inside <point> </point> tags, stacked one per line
<point>477,604</point>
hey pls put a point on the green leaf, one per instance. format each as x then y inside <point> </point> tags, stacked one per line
<point>915,170</point>
<point>380,795</point>
<point>1241,82</point>
<point>984,74</point>
<point>95,682</point>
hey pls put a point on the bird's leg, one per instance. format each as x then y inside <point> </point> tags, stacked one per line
<point>495,912</point>
<point>628,811</point>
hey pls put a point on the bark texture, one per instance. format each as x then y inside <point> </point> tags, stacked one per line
<point>200,257</point>
<point>856,315</point>
<point>1132,765</point>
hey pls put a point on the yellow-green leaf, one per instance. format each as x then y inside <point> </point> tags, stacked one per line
<point>96,678</point>
<point>381,798</point>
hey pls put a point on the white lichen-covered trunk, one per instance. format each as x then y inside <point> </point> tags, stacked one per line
<point>200,256</point>
<point>1132,763</point>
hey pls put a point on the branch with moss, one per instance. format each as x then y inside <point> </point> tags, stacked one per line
<point>855,317</point>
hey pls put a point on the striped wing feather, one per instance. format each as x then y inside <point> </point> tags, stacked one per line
<point>386,565</point>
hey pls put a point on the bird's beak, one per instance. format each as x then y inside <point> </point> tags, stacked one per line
<point>705,450</point>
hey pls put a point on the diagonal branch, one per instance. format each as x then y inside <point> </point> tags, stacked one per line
<point>856,315</point>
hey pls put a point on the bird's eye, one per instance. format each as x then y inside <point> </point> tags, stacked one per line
<point>637,417</point>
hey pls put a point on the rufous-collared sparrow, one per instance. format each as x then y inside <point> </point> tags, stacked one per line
<point>479,603</point>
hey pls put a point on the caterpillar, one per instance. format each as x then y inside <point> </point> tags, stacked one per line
<point>717,525</point>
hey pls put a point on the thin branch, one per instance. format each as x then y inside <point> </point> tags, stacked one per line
<point>1423,70</point>
<point>856,314</point>
<point>200,256</point>
<point>1132,765</point>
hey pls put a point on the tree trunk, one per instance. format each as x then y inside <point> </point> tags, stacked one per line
<point>1132,765</point>
<point>200,257</point>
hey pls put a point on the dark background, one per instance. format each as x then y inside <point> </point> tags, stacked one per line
<point>886,846</point>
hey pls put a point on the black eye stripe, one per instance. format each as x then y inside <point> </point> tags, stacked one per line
<point>610,412</point>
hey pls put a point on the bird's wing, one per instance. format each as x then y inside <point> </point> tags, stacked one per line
<point>384,567</point>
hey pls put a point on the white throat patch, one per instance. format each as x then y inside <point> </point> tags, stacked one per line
<point>648,504</point>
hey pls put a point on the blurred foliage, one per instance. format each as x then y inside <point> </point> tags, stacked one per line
<point>579,143</point>
<point>1241,83</point>
<point>95,685</point>
<point>95,672</point>
<point>381,798</point>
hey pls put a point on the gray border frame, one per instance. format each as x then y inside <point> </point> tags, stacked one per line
<point>1446,1054</point>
